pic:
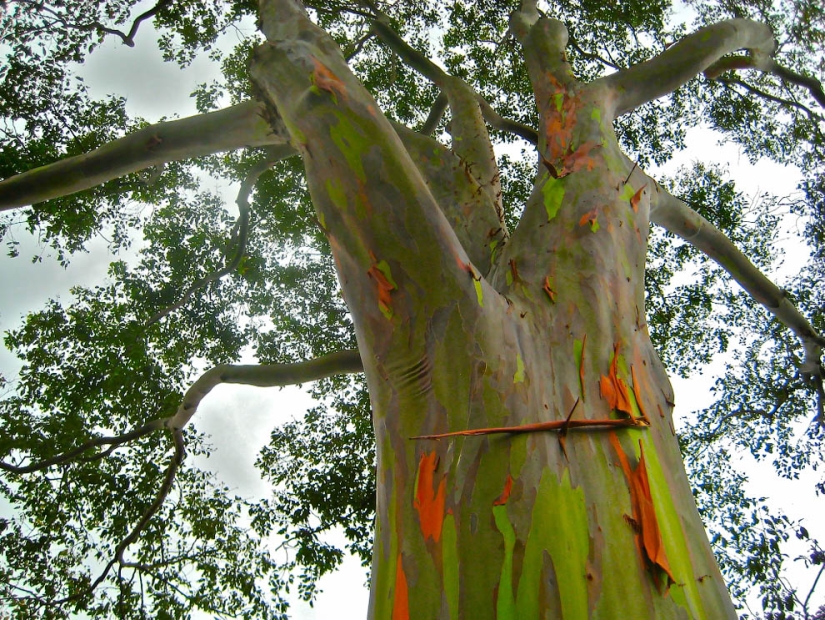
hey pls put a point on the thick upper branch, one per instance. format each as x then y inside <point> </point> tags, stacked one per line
<point>366,189</point>
<point>677,217</point>
<point>195,136</point>
<point>686,59</point>
<point>471,141</point>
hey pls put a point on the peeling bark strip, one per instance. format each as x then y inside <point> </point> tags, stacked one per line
<point>614,389</point>
<point>429,501</point>
<point>644,520</point>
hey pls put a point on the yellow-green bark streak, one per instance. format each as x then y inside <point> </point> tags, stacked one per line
<point>686,591</point>
<point>449,564</point>
<point>559,528</point>
<point>505,602</point>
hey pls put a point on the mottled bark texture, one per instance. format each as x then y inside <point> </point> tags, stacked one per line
<point>461,326</point>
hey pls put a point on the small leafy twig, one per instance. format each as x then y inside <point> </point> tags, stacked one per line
<point>242,236</point>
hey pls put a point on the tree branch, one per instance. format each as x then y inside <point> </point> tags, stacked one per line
<point>732,63</point>
<point>366,198</point>
<point>132,536</point>
<point>683,61</point>
<point>258,375</point>
<point>471,141</point>
<point>677,217</point>
<point>243,125</point>
<point>128,39</point>
<point>813,85</point>
<point>269,375</point>
<point>761,93</point>
<point>241,238</point>
<point>74,453</point>
<point>434,117</point>
<point>505,124</point>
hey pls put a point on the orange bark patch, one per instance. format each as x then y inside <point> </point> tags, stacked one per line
<point>429,502</point>
<point>549,289</point>
<point>636,198</point>
<point>384,286</point>
<point>514,271</point>
<point>326,80</point>
<point>505,494</point>
<point>613,389</point>
<point>401,603</point>
<point>580,158</point>
<point>591,217</point>
<point>561,117</point>
<point>646,525</point>
<point>637,392</point>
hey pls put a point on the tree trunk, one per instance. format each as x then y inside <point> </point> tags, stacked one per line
<point>573,522</point>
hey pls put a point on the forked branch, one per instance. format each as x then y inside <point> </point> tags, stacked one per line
<point>127,38</point>
<point>732,63</point>
<point>76,453</point>
<point>258,375</point>
<point>471,142</point>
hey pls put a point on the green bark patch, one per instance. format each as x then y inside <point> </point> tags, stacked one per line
<point>553,193</point>
<point>352,143</point>
<point>449,563</point>
<point>518,377</point>
<point>505,602</point>
<point>559,528</point>
<point>686,591</point>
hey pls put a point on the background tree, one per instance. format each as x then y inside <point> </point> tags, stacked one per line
<point>455,315</point>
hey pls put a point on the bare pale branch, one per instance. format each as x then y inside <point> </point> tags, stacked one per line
<point>685,60</point>
<point>677,217</point>
<point>435,115</point>
<point>268,375</point>
<point>242,125</point>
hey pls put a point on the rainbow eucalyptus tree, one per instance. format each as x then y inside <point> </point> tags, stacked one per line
<point>496,428</point>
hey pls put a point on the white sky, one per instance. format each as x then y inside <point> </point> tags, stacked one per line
<point>240,419</point>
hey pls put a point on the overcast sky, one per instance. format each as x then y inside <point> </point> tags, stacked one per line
<point>240,419</point>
